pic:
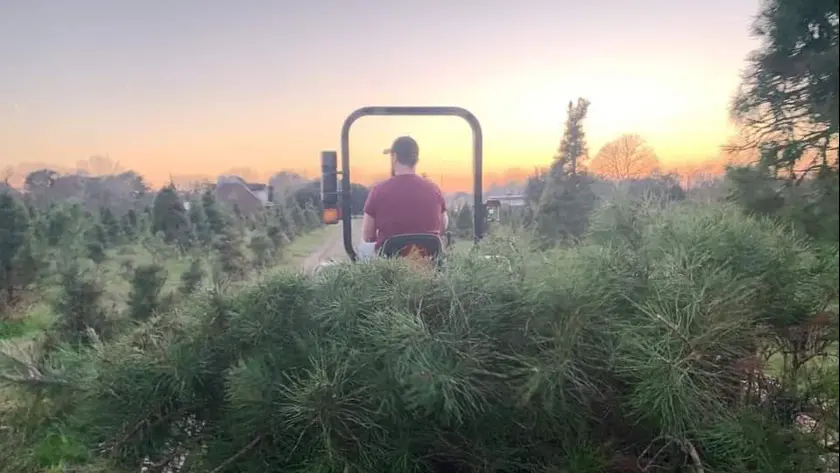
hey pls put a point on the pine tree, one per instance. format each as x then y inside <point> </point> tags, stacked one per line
<point>191,278</point>
<point>59,222</point>
<point>231,259</point>
<point>787,107</point>
<point>14,227</point>
<point>464,221</point>
<point>262,248</point>
<point>110,225</point>
<point>31,211</point>
<point>200,222</point>
<point>534,186</point>
<point>573,147</point>
<point>567,198</point>
<point>278,238</point>
<point>169,217</point>
<point>131,218</point>
<point>128,224</point>
<point>78,306</point>
<point>284,219</point>
<point>146,285</point>
<point>298,218</point>
<point>29,264</point>
<point>215,218</point>
<point>95,242</point>
<point>564,208</point>
<point>789,100</point>
<point>311,216</point>
<point>95,251</point>
<point>98,234</point>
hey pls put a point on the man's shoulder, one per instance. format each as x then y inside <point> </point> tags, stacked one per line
<point>405,185</point>
<point>384,185</point>
<point>381,186</point>
<point>432,185</point>
<point>425,181</point>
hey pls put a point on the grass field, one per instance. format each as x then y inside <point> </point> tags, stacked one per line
<point>36,314</point>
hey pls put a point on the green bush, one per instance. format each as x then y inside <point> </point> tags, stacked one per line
<point>638,348</point>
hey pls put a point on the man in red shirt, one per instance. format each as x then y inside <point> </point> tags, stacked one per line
<point>405,203</point>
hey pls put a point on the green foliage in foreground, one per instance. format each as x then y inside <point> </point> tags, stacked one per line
<point>639,348</point>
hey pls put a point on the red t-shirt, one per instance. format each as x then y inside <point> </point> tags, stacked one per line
<point>406,203</point>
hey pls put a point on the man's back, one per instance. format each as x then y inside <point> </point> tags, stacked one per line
<point>405,203</point>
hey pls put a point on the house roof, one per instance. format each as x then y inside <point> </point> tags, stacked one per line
<point>228,179</point>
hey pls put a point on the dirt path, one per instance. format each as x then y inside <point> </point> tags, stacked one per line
<point>332,247</point>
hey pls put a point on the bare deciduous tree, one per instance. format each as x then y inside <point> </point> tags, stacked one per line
<point>626,157</point>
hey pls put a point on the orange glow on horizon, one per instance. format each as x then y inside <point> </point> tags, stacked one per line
<point>263,89</point>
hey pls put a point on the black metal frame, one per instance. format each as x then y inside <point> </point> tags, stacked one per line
<point>344,191</point>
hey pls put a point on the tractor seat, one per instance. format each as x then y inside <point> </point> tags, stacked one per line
<point>426,245</point>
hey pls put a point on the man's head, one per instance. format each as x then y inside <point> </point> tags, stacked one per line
<point>404,152</point>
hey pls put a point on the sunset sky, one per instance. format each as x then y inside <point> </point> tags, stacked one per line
<point>199,87</point>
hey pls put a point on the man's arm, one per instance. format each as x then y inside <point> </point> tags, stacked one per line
<point>369,218</point>
<point>444,217</point>
<point>368,228</point>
